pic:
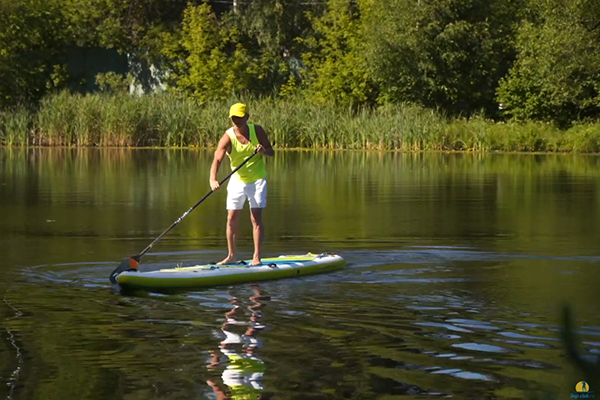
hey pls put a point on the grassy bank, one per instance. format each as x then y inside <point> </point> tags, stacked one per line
<point>167,120</point>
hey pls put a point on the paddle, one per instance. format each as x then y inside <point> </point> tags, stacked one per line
<point>133,262</point>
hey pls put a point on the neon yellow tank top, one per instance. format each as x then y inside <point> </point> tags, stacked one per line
<point>254,169</point>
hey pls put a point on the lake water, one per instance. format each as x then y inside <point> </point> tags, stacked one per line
<point>458,266</point>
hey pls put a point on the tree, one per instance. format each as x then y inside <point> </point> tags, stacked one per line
<point>126,25</point>
<point>36,34</point>
<point>270,30</point>
<point>30,49</point>
<point>335,68</point>
<point>208,60</point>
<point>557,75</point>
<point>447,54</point>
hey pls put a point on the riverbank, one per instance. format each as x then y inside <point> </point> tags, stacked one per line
<point>168,120</point>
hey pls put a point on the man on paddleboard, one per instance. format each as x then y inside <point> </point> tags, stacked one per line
<point>249,182</point>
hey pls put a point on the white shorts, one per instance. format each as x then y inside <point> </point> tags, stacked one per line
<point>238,192</point>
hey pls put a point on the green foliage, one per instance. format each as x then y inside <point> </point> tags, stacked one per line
<point>35,36</point>
<point>115,118</point>
<point>336,69</point>
<point>448,54</point>
<point>215,56</point>
<point>270,29</point>
<point>557,75</point>
<point>216,64</point>
<point>539,58</point>
<point>583,138</point>
<point>125,25</point>
<point>118,119</point>
<point>112,82</point>
<point>480,134</point>
<point>15,126</point>
<point>274,25</point>
<point>30,49</point>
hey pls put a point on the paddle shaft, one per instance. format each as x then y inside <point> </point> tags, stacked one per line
<point>139,255</point>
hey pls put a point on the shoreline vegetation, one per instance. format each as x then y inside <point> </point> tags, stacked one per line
<point>174,121</point>
<point>448,75</point>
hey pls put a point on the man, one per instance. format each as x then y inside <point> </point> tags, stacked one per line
<point>249,182</point>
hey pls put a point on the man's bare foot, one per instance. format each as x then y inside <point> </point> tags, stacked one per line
<point>227,260</point>
<point>255,261</point>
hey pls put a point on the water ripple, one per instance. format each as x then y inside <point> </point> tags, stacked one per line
<point>379,328</point>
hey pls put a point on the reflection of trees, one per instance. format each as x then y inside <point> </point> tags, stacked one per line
<point>496,201</point>
<point>242,368</point>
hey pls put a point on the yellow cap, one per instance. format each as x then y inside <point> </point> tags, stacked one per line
<point>237,110</point>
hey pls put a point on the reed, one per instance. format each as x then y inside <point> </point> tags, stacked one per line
<point>15,126</point>
<point>174,120</point>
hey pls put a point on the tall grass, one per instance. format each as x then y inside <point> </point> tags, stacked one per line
<point>171,120</point>
<point>15,126</point>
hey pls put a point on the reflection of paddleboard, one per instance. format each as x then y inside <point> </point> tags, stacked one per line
<point>285,266</point>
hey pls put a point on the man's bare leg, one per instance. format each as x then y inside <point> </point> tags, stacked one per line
<point>258,232</point>
<point>233,222</point>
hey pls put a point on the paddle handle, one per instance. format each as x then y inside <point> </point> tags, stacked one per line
<point>139,255</point>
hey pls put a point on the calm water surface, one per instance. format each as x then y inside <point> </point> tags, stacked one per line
<point>458,268</point>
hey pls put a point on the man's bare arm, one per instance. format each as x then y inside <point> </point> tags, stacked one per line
<point>265,145</point>
<point>222,148</point>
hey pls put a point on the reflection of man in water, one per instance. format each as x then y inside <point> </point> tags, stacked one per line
<point>244,372</point>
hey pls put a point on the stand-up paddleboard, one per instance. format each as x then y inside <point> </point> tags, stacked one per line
<point>285,266</point>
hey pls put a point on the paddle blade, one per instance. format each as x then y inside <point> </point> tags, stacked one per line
<point>126,265</point>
